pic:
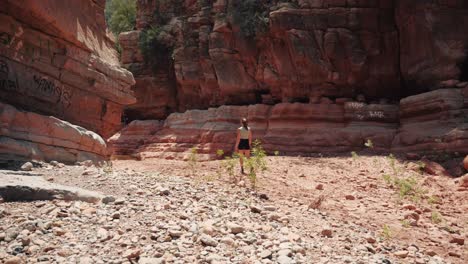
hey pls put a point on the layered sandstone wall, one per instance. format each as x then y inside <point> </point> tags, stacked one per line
<point>27,135</point>
<point>431,122</point>
<point>57,60</point>
<point>384,50</point>
<point>325,76</point>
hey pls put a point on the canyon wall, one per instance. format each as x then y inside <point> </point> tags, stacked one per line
<point>312,76</point>
<point>56,59</point>
<point>432,122</point>
<point>378,50</point>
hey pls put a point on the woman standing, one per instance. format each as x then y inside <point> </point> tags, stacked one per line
<point>243,142</point>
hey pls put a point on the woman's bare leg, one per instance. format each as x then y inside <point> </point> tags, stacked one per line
<point>241,160</point>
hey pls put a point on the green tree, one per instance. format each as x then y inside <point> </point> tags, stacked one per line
<point>120,15</point>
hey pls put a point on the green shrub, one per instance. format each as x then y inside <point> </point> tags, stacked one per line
<point>229,164</point>
<point>256,163</point>
<point>193,160</point>
<point>407,187</point>
<point>436,217</point>
<point>251,16</point>
<point>386,232</point>
<point>120,15</point>
<point>155,53</point>
<point>220,153</point>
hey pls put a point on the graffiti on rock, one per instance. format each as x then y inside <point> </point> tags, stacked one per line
<point>5,82</point>
<point>42,87</point>
<point>48,88</point>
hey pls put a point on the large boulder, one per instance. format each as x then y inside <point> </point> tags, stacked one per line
<point>27,135</point>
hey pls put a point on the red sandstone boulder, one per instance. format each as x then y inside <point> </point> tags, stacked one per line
<point>434,168</point>
<point>432,121</point>
<point>463,182</point>
<point>26,135</point>
<point>465,163</point>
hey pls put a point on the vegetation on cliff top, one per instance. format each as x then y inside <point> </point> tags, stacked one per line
<point>156,53</point>
<point>251,16</point>
<point>120,15</point>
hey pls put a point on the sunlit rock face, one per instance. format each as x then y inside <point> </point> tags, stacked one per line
<point>57,60</point>
<point>324,76</point>
<point>385,49</point>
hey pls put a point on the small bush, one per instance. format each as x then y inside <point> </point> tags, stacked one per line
<point>433,199</point>
<point>256,163</point>
<point>220,153</point>
<point>251,16</point>
<point>155,53</point>
<point>405,223</point>
<point>436,217</point>
<point>193,160</point>
<point>386,232</point>
<point>354,155</point>
<point>388,179</point>
<point>107,167</point>
<point>229,164</point>
<point>407,187</point>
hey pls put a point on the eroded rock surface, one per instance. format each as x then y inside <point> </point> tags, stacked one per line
<point>288,128</point>
<point>430,122</point>
<point>27,135</point>
<point>20,186</point>
<point>382,50</point>
<point>56,59</point>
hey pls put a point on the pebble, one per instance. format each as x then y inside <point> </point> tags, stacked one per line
<point>255,209</point>
<point>284,260</point>
<point>119,201</point>
<point>175,233</point>
<point>327,232</point>
<point>370,240</point>
<point>132,253</point>
<point>145,260</point>
<point>28,166</point>
<point>401,253</point>
<point>235,228</point>
<point>457,240</point>
<point>14,260</point>
<point>265,254</point>
<point>164,191</point>
<point>108,199</point>
<point>208,241</point>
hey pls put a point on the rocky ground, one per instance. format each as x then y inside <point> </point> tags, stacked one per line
<point>305,210</point>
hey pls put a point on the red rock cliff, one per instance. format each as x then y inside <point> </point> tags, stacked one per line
<point>324,75</point>
<point>56,60</point>
<point>383,49</point>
